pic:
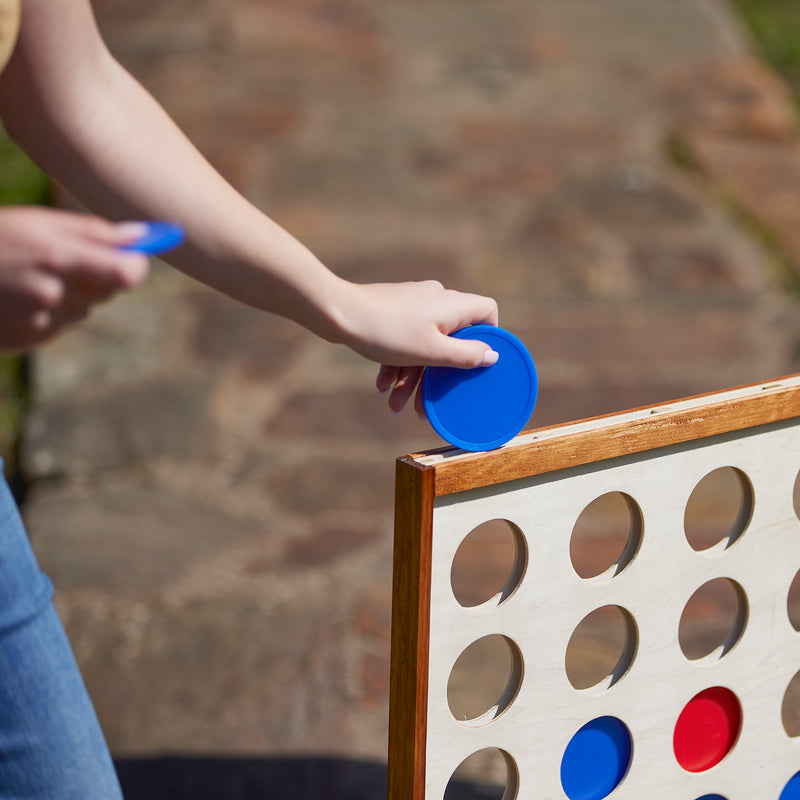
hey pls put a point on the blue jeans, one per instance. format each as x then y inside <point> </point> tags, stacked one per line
<point>51,745</point>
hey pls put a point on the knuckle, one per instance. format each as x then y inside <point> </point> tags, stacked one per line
<point>53,257</point>
<point>39,323</point>
<point>47,294</point>
<point>131,271</point>
<point>97,226</point>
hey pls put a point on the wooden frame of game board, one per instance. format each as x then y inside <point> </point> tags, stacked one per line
<point>423,477</point>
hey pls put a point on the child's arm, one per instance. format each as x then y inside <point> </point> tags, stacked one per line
<point>70,104</point>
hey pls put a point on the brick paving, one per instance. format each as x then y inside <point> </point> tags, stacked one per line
<point>212,487</point>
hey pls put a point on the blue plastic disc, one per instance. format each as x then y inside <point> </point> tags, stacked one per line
<point>485,407</point>
<point>596,759</point>
<point>792,789</point>
<point>160,237</point>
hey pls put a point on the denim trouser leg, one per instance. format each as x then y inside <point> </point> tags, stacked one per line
<point>51,745</point>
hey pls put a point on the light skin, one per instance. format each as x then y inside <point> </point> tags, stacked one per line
<point>87,122</point>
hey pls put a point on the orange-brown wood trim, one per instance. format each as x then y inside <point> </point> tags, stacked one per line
<point>558,447</point>
<point>411,596</point>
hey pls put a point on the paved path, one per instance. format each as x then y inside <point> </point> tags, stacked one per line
<point>213,488</point>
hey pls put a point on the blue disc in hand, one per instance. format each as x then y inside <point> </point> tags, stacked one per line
<point>160,237</point>
<point>485,407</point>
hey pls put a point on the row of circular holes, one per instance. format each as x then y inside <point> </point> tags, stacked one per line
<point>605,536</point>
<point>700,507</point>
<point>599,755</point>
<point>601,649</point>
<point>496,773</point>
<point>712,620</point>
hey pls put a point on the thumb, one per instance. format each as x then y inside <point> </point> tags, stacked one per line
<point>467,353</point>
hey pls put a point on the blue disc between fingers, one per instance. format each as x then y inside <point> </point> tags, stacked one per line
<point>160,237</point>
<point>485,407</point>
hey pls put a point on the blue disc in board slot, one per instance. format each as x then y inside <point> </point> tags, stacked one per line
<point>596,759</point>
<point>485,407</point>
<point>792,789</point>
<point>159,238</point>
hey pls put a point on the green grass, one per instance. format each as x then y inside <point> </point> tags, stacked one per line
<point>13,404</point>
<point>21,183</point>
<point>775,28</point>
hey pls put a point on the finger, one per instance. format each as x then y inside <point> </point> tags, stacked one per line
<point>28,293</point>
<point>494,313</point>
<point>387,375</point>
<point>404,386</point>
<point>100,271</point>
<point>103,231</point>
<point>472,309</point>
<point>90,252</point>
<point>464,353</point>
<point>133,268</point>
<point>40,323</point>
<point>419,405</point>
<point>128,232</point>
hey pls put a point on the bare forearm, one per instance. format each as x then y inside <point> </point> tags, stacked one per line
<point>116,149</point>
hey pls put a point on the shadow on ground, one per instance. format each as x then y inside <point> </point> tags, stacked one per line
<point>209,778</point>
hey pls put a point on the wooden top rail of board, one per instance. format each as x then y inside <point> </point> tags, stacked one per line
<point>541,450</point>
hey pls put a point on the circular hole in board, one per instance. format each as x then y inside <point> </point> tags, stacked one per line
<point>489,564</point>
<point>790,708</point>
<point>606,536</point>
<point>712,797</point>
<point>792,789</point>
<point>793,602</point>
<point>796,495</point>
<point>719,509</point>
<point>489,774</point>
<point>484,681</point>
<point>596,759</point>
<point>713,620</point>
<point>602,648</point>
<point>707,729</point>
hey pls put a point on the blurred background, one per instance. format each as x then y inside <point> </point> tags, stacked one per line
<point>211,489</point>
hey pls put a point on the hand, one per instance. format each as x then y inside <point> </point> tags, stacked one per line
<point>55,265</point>
<point>405,326</point>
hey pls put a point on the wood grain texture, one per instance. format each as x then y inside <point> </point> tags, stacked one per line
<point>543,450</point>
<point>410,631</point>
<point>540,484</point>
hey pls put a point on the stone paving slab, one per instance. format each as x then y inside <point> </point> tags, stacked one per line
<point>212,488</point>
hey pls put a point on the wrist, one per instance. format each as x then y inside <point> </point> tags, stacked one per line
<point>338,310</point>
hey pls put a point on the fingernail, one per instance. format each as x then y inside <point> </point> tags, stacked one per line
<point>490,357</point>
<point>131,230</point>
<point>137,268</point>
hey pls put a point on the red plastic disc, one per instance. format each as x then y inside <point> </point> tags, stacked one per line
<point>707,729</point>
